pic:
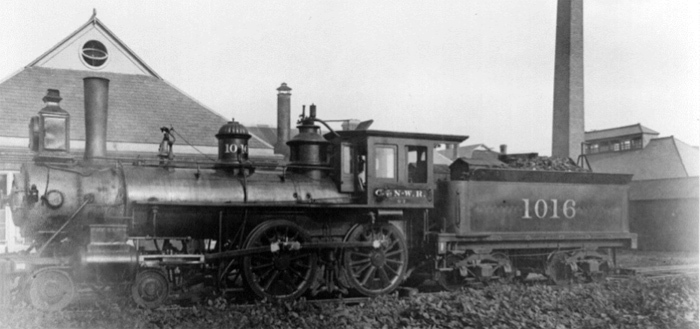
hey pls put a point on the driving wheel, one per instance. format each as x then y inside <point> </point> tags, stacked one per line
<point>285,271</point>
<point>379,268</point>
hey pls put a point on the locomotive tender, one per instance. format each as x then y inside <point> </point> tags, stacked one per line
<point>351,212</point>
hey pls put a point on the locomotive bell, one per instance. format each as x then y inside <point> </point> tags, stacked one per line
<point>233,142</point>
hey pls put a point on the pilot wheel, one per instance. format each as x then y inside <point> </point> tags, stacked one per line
<point>150,289</point>
<point>51,289</point>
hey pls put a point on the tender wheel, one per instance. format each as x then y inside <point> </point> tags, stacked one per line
<point>51,289</point>
<point>604,271</point>
<point>595,266</point>
<point>284,273</point>
<point>504,272</point>
<point>378,269</point>
<point>150,289</point>
<point>558,270</point>
<point>451,280</point>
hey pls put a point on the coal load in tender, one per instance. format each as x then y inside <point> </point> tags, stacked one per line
<point>531,161</point>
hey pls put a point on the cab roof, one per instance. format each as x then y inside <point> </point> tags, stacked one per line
<point>346,134</point>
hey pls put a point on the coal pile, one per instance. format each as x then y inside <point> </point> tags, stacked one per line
<point>532,161</point>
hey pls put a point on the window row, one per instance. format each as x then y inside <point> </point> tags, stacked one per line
<point>613,146</point>
<point>386,162</point>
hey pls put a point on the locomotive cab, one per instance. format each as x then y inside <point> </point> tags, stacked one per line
<point>387,169</point>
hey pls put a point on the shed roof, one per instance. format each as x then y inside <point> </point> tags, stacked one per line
<point>635,129</point>
<point>266,133</point>
<point>663,158</point>
<point>138,106</point>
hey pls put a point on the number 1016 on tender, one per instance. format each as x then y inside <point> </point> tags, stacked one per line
<point>550,209</point>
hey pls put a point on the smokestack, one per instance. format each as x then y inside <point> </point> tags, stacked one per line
<point>96,98</point>
<point>283,119</point>
<point>504,149</point>
<point>568,118</point>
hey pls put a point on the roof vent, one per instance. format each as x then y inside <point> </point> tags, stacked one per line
<point>94,54</point>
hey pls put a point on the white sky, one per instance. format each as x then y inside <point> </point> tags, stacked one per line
<point>479,68</point>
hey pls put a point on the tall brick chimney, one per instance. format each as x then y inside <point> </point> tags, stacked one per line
<point>283,119</point>
<point>568,127</point>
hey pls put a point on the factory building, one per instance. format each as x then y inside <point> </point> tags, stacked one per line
<point>664,190</point>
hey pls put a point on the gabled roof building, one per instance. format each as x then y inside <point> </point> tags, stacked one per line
<point>140,103</point>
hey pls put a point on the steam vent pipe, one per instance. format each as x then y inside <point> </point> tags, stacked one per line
<point>283,119</point>
<point>96,98</point>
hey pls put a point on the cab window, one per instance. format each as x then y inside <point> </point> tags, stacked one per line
<point>347,159</point>
<point>385,161</point>
<point>417,164</point>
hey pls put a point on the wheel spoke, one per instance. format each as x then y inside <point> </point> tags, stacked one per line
<point>393,243</point>
<point>261,266</point>
<point>363,268</point>
<point>368,275</point>
<point>269,282</point>
<point>384,277</point>
<point>359,255</point>
<point>296,273</point>
<point>265,274</point>
<point>285,279</point>
<point>393,253</point>
<point>359,262</point>
<point>394,261</point>
<point>391,269</point>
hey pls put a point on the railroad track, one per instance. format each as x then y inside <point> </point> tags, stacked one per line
<point>658,272</point>
<point>86,297</point>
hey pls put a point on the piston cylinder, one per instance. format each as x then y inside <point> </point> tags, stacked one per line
<point>108,246</point>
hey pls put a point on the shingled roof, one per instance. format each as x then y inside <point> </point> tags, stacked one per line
<point>138,106</point>
<point>140,100</point>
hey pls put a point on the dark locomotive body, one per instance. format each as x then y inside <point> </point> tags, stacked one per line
<point>352,212</point>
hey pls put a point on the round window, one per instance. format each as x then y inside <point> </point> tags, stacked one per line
<point>94,53</point>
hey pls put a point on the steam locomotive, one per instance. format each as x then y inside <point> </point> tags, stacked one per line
<point>353,212</point>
